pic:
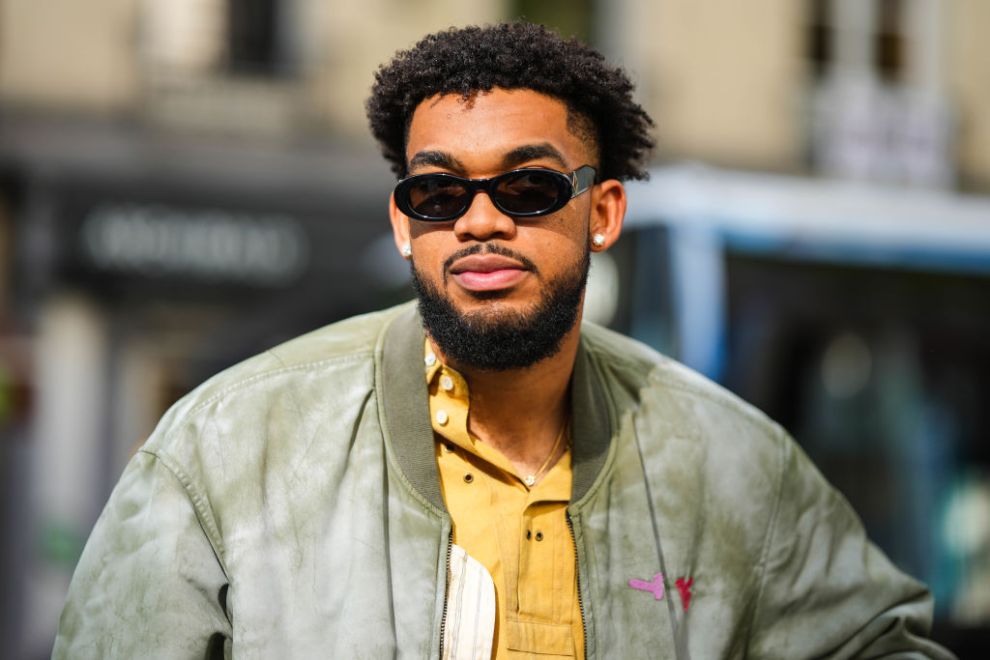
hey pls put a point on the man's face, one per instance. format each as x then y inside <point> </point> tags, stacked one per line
<point>487,271</point>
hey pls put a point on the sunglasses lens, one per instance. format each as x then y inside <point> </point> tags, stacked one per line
<point>532,192</point>
<point>437,197</point>
<point>441,197</point>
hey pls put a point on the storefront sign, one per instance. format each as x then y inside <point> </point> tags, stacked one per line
<point>206,245</point>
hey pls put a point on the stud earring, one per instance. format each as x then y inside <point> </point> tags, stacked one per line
<point>406,251</point>
<point>598,240</point>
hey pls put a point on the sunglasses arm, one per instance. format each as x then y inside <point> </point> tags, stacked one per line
<point>582,178</point>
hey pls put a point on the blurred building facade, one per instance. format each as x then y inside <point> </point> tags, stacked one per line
<point>883,90</point>
<point>185,182</point>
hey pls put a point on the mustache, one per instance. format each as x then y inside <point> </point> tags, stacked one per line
<point>488,248</point>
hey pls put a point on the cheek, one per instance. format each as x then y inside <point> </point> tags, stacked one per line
<point>429,252</point>
<point>562,238</point>
<point>427,232</point>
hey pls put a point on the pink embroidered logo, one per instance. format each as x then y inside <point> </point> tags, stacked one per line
<point>654,586</point>
<point>684,587</point>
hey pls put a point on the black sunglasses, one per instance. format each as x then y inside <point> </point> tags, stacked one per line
<point>523,193</point>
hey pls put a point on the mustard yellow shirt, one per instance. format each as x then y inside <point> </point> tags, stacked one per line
<point>519,534</point>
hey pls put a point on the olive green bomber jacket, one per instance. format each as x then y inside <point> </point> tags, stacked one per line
<point>290,507</point>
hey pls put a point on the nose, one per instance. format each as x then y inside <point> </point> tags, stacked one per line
<point>483,221</point>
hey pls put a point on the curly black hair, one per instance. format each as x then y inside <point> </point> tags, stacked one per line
<point>520,55</point>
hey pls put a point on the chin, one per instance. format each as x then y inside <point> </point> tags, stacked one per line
<point>494,309</point>
<point>491,304</point>
<point>506,329</point>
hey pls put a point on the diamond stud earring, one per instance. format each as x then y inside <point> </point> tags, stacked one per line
<point>598,240</point>
<point>406,251</point>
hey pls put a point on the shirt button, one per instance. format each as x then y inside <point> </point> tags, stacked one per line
<point>442,417</point>
<point>539,536</point>
<point>447,383</point>
<point>468,478</point>
<point>529,534</point>
<point>430,359</point>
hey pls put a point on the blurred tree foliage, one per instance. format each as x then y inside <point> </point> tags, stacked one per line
<point>571,18</point>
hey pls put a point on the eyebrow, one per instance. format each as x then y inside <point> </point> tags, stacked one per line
<point>435,159</point>
<point>518,156</point>
<point>528,152</point>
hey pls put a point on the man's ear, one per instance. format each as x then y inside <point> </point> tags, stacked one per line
<point>400,228</point>
<point>608,209</point>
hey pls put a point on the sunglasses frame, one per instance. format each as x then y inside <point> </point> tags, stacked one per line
<point>569,185</point>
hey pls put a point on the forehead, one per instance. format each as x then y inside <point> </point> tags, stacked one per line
<point>481,129</point>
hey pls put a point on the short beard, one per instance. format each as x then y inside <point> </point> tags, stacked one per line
<point>493,340</point>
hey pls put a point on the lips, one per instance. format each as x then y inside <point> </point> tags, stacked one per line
<point>485,263</point>
<point>487,272</point>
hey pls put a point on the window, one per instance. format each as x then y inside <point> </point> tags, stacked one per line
<point>878,110</point>
<point>889,41</point>
<point>253,36</point>
<point>820,37</point>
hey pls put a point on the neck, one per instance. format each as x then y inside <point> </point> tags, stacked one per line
<point>520,412</point>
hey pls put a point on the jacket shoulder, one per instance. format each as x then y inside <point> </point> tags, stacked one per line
<point>325,349</point>
<point>293,410</point>
<point>649,377</point>
<point>275,398</point>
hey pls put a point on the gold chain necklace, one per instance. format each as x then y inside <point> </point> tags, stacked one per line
<point>531,479</point>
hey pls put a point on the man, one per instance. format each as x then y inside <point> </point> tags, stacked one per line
<point>480,475</point>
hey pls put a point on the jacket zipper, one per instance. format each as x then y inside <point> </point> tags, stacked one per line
<point>577,575</point>
<point>443,616</point>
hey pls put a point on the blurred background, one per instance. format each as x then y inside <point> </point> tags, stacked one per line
<point>184,183</point>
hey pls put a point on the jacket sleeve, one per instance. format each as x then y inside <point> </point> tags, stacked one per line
<point>149,583</point>
<point>826,590</point>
